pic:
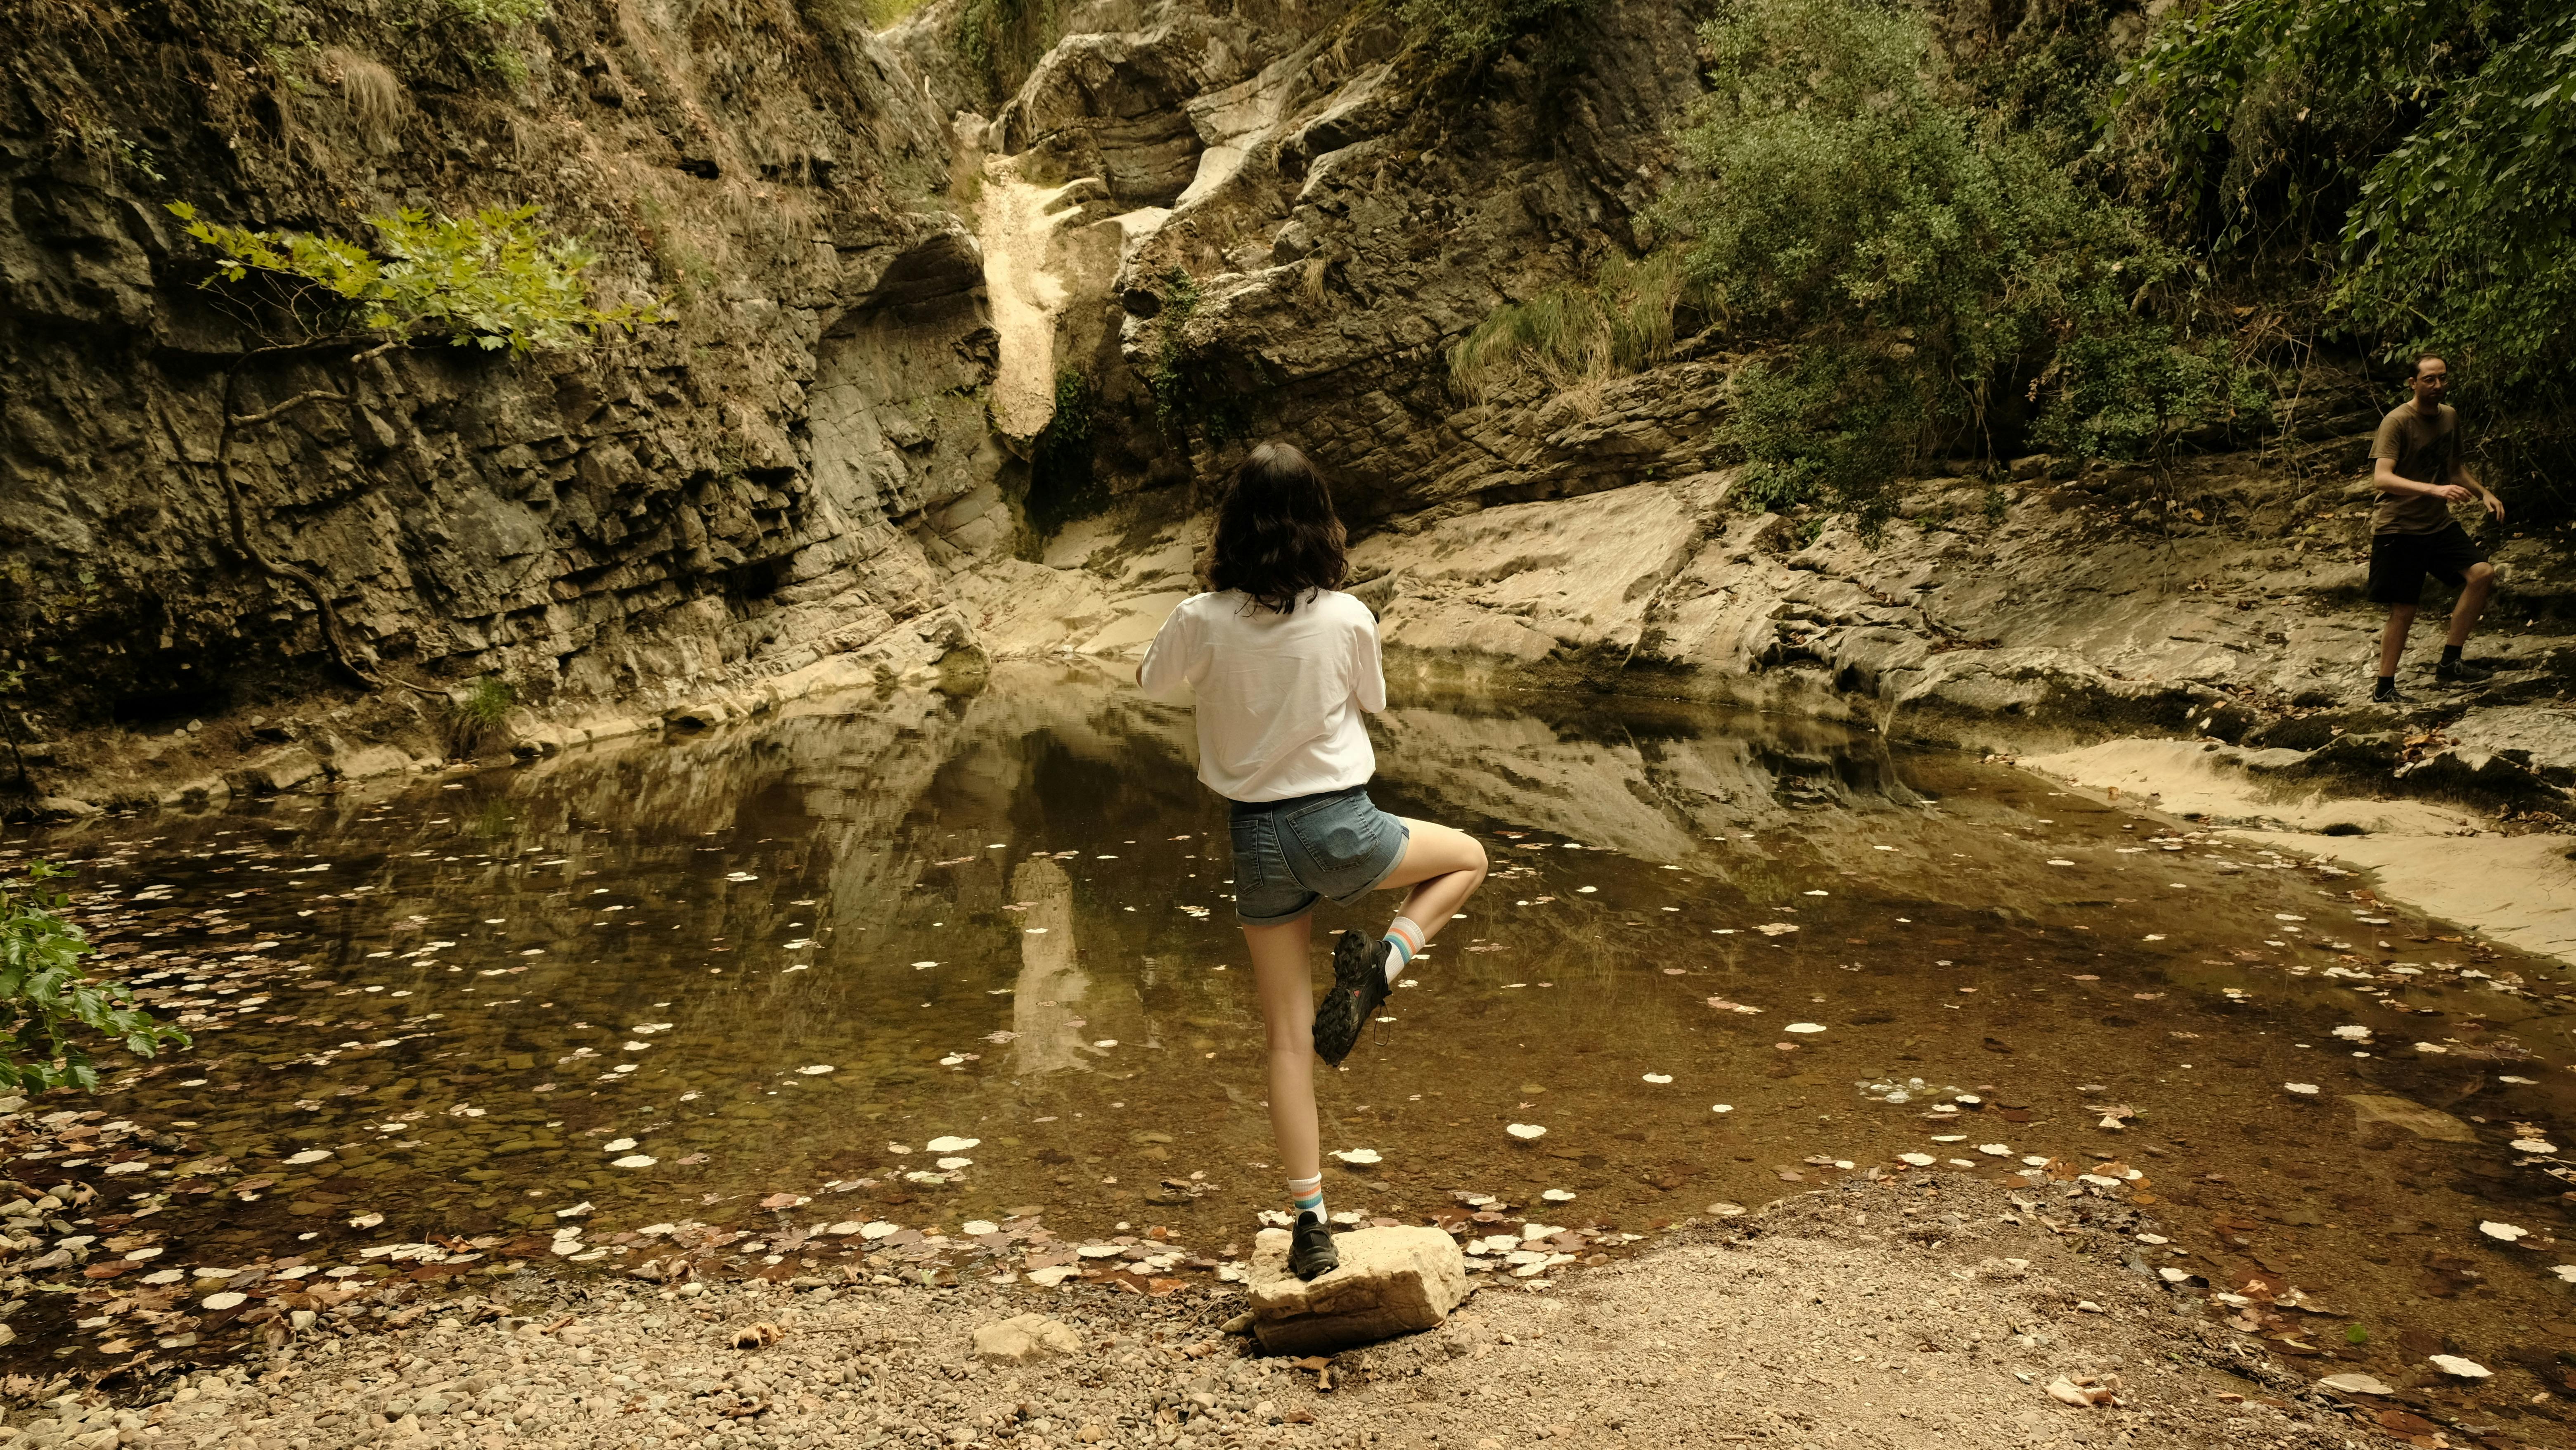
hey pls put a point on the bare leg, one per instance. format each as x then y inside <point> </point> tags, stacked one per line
<point>2392,640</point>
<point>1284,979</point>
<point>2473,602</point>
<point>1443,865</point>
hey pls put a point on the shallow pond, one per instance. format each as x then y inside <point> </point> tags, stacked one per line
<point>769,979</point>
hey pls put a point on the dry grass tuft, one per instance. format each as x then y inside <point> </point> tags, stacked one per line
<point>374,97</point>
<point>1316,266</point>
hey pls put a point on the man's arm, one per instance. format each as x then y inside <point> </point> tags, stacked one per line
<point>2461,477</point>
<point>2384,474</point>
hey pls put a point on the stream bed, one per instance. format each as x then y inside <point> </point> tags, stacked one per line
<point>912,986</point>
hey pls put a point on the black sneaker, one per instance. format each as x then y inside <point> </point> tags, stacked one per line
<point>2387,694</point>
<point>2461,672</point>
<point>1359,985</point>
<point>1312,1255</point>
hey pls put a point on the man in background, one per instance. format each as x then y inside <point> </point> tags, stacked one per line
<point>2420,475</point>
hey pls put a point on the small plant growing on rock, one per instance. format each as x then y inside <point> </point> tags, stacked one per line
<point>475,717</point>
<point>494,281</point>
<point>48,1005</point>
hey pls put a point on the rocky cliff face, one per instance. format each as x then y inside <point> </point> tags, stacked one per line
<point>770,472</point>
<point>955,349</point>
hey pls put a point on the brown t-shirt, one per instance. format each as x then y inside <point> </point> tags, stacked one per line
<point>2425,449</point>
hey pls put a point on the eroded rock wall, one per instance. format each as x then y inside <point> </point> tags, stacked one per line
<point>768,474</point>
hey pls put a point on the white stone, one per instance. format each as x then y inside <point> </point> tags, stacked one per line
<point>1391,1281</point>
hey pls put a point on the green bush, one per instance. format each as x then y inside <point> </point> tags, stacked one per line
<point>498,12</point>
<point>1921,260</point>
<point>492,280</point>
<point>1467,28</point>
<point>48,1005</point>
<point>2418,159</point>
<point>1819,425</point>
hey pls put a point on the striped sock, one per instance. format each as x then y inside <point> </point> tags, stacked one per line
<point>1403,939</point>
<point>1308,1195</point>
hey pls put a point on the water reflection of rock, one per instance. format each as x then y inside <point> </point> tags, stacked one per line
<point>1046,1002</point>
<point>1656,789</point>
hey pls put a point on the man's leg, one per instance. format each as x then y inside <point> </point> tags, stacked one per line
<point>2473,602</point>
<point>2392,640</point>
<point>1284,980</point>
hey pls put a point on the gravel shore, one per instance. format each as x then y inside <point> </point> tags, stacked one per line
<point>1904,1313</point>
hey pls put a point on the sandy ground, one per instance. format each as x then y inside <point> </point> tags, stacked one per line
<point>2441,860</point>
<point>1911,1312</point>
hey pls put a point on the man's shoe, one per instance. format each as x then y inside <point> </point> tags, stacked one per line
<point>1359,985</point>
<point>2387,694</point>
<point>1312,1255</point>
<point>2461,672</point>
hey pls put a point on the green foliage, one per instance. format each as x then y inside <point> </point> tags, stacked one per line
<point>1469,28</point>
<point>1185,393</point>
<point>1819,426</point>
<point>497,12</point>
<point>1061,482</point>
<point>1922,259</point>
<point>493,280</point>
<point>48,1005</point>
<point>475,718</point>
<point>2420,157</point>
<point>1621,322</point>
<point>1000,39</point>
<point>2122,389</point>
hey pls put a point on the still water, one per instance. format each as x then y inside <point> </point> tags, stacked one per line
<point>1721,958</point>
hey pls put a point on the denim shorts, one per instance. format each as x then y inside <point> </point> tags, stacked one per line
<point>1288,853</point>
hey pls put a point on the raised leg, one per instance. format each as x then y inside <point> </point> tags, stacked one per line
<point>1443,865</point>
<point>1284,979</point>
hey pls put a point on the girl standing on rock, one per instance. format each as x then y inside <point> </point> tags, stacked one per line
<point>1282,664</point>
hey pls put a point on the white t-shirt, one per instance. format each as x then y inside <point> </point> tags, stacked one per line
<point>1279,695</point>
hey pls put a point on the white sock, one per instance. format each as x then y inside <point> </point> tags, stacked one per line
<point>1307,1194</point>
<point>1403,938</point>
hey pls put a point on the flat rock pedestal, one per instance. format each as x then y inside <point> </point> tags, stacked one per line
<point>1392,1281</point>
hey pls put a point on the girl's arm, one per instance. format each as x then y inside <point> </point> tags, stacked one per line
<point>1368,668</point>
<point>1167,663</point>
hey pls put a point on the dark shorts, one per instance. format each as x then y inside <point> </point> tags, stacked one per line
<point>1289,854</point>
<point>2399,562</point>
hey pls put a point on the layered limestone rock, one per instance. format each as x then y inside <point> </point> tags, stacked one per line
<point>771,475</point>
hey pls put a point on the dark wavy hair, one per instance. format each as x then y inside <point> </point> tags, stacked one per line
<point>1277,537</point>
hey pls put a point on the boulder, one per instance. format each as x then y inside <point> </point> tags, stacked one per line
<point>369,761</point>
<point>1392,1281</point>
<point>65,808</point>
<point>281,769</point>
<point>1025,1337</point>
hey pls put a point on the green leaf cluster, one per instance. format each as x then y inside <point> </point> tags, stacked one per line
<point>491,280</point>
<point>1187,391</point>
<point>48,1005</point>
<point>2420,157</point>
<point>1464,29</point>
<point>1917,265</point>
<point>498,12</point>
